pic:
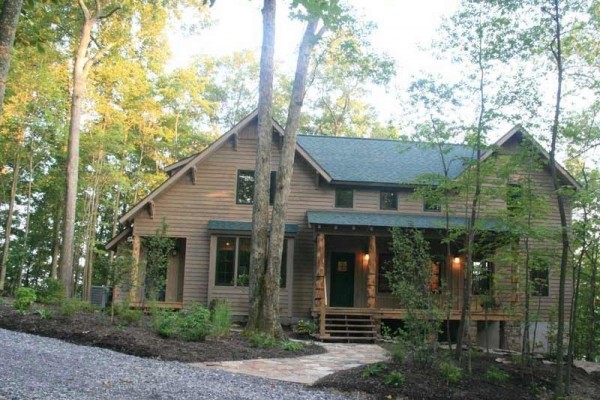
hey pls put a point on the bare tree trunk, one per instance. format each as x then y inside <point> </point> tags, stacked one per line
<point>556,48</point>
<point>284,179</point>
<point>83,63</point>
<point>27,226</point>
<point>262,173</point>
<point>9,218</point>
<point>9,18</point>
<point>55,244</point>
<point>591,348</point>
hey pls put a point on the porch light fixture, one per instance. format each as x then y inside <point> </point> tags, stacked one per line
<point>456,263</point>
<point>366,260</point>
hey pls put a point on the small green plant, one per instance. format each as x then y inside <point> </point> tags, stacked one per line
<point>451,372</point>
<point>194,323</point>
<point>394,378</point>
<point>374,370</point>
<point>292,346</point>
<point>50,292</point>
<point>24,299</point>
<point>496,375</point>
<point>70,306</point>
<point>262,340</point>
<point>44,314</point>
<point>164,322</point>
<point>220,318</point>
<point>128,315</point>
<point>398,350</point>
<point>306,327</point>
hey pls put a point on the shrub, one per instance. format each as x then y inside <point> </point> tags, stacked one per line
<point>394,378</point>
<point>451,372</point>
<point>221,318</point>
<point>127,314</point>
<point>50,292</point>
<point>44,314</point>
<point>398,350</point>
<point>164,322</point>
<point>292,346</point>
<point>70,306</point>
<point>306,327</point>
<point>24,299</point>
<point>496,375</point>
<point>194,323</point>
<point>259,339</point>
<point>374,370</point>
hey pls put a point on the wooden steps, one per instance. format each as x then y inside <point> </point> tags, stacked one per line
<point>348,328</point>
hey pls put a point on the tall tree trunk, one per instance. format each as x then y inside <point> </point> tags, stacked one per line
<point>27,225</point>
<point>591,347</point>
<point>81,68</point>
<point>556,49</point>
<point>284,179</point>
<point>262,172</point>
<point>55,243</point>
<point>9,18</point>
<point>9,218</point>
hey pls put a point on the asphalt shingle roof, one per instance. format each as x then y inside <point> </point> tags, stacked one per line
<point>381,161</point>
<point>387,220</point>
<point>242,226</point>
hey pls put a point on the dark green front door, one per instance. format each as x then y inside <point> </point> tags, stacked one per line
<point>342,280</point>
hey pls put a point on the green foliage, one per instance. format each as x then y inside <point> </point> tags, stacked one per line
<point>158,249</point>
<point>261,340</point>
<point>220,318</point>
<point>288,345</point>
<point>394,378</point>
<point>24,299</point>
<point>44,314</point>
<point>50,292</point>
<point>450,372</point>
<point>128,314</point>
<point>306,327</point>
<point>71,306</point>
<point>192,324</point>
<point>410,280</point>
<point>374,370</point>
<point>496,375</point>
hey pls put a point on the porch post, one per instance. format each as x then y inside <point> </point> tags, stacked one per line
<point>135,252</point>
<point>320,300</point>
<point>372,273</point>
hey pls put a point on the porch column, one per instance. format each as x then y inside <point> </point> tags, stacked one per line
<point>135,252</point>
<point>372,272</point>
<point>320,275</point>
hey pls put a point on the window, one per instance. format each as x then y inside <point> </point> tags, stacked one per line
<point>245,187</point>
<point>233,262</point>
<point>514,198</point>
<point>386,264</point>
<point>388,200</point>
<point>483,272</point>
<point>344,198</point>
<point>431,205</point>
<point>539,281</point>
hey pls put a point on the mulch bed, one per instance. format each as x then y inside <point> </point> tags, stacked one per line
<point>429,383</point>
<point>95,329</point>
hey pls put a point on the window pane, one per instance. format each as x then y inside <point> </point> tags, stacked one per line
<point>482,277</point>
<point>245,187</point>
<point>539,281</point>
<point>344,198</point>
<point>386,264</point>
<point>243,271</point>
<point>272,187</point>
<point>388,201</point>
<point>283,272</point>
<point>432,205</point>
<point>225,261</point>
<point>514,198</point>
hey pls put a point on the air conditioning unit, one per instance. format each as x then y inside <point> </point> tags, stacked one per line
<point>101,296</point>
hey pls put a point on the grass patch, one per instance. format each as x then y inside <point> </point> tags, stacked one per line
<point>292,346</point>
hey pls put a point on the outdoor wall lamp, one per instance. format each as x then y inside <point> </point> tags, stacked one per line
<point>366,260</point>
<point>456,263</point>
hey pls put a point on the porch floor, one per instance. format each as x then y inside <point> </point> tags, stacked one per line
<point>396,313</point>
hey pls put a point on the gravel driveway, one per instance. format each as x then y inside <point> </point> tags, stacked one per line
<point>34,367</point>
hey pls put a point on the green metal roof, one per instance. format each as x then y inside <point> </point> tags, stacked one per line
<point>389,220</point>
<point>242,226</point>
<point>363,160</point>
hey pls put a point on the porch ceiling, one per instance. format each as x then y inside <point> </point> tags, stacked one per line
<point>388,220</point>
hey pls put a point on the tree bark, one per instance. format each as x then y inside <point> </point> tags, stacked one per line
<point>284,179</point>
<point>55,244</point>
<point>262,173</point>
<point>27,224</point>
<point>9,218</point>
<point>9,18</point>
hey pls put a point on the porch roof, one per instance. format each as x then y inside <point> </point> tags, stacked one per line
<point>352,218</point>
<point>243,226</point>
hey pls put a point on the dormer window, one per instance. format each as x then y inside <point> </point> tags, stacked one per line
<point>344,198</point>
<point>388,200</point>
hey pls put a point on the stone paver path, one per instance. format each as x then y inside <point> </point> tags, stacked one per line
<point>308,369</point>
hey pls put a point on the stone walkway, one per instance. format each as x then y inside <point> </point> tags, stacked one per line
<point>308,369</point>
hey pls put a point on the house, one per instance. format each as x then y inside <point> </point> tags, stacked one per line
<point>346,195</point>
